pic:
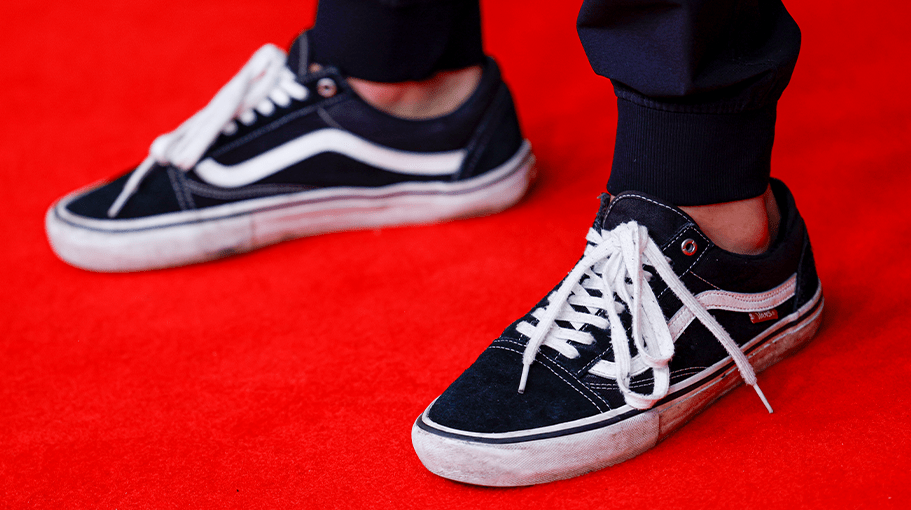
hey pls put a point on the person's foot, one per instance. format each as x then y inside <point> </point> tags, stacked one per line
<point>282,152</point>
<point>746,226</point>
<point>439,95</point>
<point>653,324</point>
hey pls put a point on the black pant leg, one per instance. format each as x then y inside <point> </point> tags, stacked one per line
<point>697,83</point>
<point>396,40</point>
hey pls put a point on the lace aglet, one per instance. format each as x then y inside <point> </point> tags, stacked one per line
<point>524,378</point>
<point>117,205</point>
<point>762,397</point>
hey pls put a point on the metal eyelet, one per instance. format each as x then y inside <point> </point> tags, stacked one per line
<point>688,247</point>
<point>326,87</point>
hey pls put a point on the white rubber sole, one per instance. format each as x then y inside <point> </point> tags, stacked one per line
<point>188,237</point>
<point>572,449</point>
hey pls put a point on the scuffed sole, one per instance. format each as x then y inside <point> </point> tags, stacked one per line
<point>499,460</point>
<point>189,237</point>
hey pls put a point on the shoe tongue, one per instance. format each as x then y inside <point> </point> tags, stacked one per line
<point>299,56</point>
<point>662,219</point>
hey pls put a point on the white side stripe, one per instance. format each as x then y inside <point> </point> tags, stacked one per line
<point>329,140</point>
<point>734,302</point>
<point>711,300</point>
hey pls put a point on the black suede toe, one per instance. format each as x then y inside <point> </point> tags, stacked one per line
<point>486,398</point>
<point>154,196</point>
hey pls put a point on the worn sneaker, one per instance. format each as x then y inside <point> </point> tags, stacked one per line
<point>281,153</point>
<point>652,325</point>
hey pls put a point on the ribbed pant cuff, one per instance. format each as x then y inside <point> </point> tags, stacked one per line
<point>692,158</point>
<point>396,41</point>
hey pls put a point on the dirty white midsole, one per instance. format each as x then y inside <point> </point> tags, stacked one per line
<point>197,235</point>
<point>546,455</point>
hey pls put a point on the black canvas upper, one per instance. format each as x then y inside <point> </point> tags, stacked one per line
<point>485,125</point>
<point>485,398</point>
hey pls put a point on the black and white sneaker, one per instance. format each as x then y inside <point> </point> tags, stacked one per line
<point>281,153</point>
<point>652,325</point>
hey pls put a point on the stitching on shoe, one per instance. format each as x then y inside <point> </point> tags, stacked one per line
<point>647,381</point>
<point>548,358</point>
<point>253,191</point>
<point>615,386</point>
<point>582,371</point>
<point>178,193</point>
<point>571,385</point>
<point>679,234</point>
<point>687,371</point>
<point>277,123</point>
<point>688,269</point>
<point>545,356</point>
<point>182,177</point>
<point>574,376</point>
<point>511,341</point>
<point>585,369</point>
<point>607,386</point>
<point>707,282</point>
<point>634,195</point>
<point>303,55</point>
<point>735,297</point>
<point>610,348</point>
<point>323,114</point>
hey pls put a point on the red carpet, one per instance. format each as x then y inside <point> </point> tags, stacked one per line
<point>290,377</point>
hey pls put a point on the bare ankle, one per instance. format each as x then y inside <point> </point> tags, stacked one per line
<point>439,95</point>
<point>746,226</point>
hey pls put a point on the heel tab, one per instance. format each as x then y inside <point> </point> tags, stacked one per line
<point>496,138</point>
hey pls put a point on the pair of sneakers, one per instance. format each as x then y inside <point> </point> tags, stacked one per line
<point>652,325</point>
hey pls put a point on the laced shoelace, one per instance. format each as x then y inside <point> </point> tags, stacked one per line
<point>613,265</point>
<point>261,84</point>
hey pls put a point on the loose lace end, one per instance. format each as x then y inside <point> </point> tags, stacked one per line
<point>130,186</point>
<point>118,204</point>
<point>762,397</point>
<point>256,82</point>
<point>524,378</point>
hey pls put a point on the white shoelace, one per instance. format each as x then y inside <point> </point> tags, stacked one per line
<point>261,84</point>
<point>613,264</point>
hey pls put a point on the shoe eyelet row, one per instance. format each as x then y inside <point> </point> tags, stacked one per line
<point>689,247</point>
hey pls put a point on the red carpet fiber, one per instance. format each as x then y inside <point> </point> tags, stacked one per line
<point>290,377</point>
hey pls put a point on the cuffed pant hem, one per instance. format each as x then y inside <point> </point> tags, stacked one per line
<point>396,41</point>
<point>692,158</point>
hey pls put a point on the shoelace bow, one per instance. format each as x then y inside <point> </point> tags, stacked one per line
<point>613,264</point>
<point>262,83</point>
